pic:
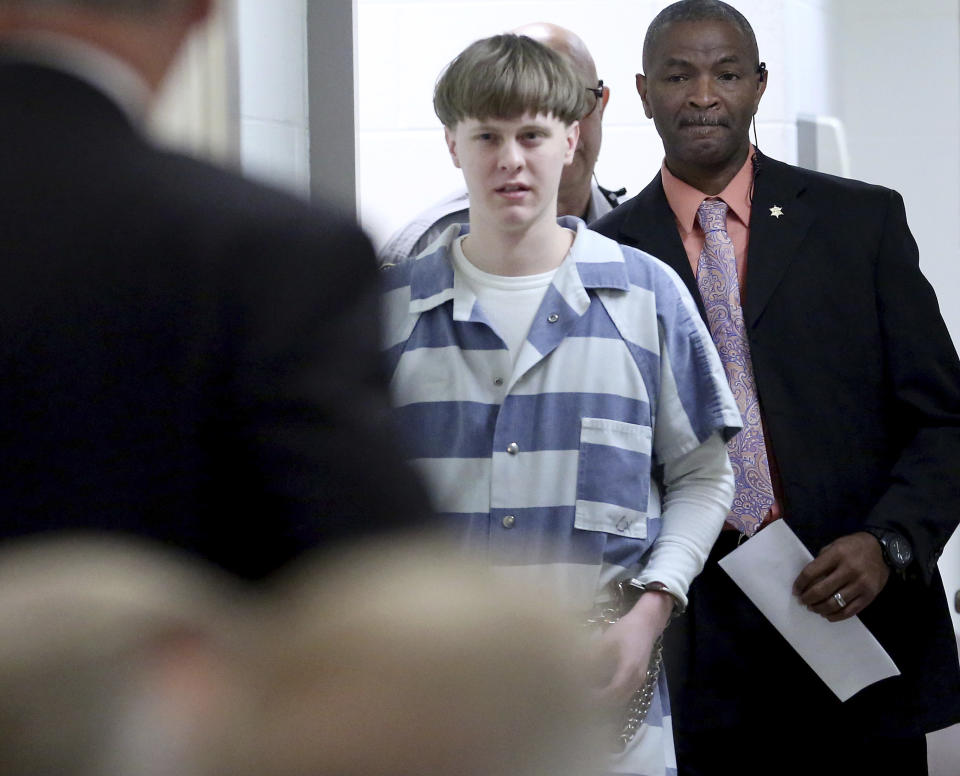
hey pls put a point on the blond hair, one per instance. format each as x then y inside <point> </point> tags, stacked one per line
<point>506,76</point>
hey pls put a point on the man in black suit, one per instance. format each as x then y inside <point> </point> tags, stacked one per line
<point>185,355</point>
<point>859,394</point>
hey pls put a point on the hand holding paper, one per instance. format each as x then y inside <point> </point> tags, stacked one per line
<point>852,566</point>
<point>845,655</point>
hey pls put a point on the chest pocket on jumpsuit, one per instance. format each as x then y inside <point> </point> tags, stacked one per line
<point>613,477</point>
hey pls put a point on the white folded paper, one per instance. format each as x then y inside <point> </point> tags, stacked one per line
<point>844,654</point>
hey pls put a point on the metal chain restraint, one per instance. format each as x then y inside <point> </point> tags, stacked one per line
<point>642,699</point>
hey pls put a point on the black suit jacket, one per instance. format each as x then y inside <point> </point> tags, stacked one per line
<point>186,356</point>
<point>859,384</point>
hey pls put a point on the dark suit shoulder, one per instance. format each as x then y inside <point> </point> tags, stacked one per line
<point>246,237</point>
<point>820,183</point>
<point>650,199</point>
<point>609,224</point>
<point>193,186</point>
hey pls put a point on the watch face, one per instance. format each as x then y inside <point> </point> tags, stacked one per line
<point>899,552</point>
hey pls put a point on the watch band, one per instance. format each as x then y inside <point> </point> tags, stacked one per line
<point>896,550</point>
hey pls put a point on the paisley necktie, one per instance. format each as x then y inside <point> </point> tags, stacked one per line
<point>717,281</point>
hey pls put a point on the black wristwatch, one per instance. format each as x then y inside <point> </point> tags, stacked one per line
<point>897,552</point>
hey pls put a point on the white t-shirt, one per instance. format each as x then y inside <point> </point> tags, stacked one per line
<point>510,302</point>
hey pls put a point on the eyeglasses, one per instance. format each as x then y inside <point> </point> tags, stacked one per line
<point>597,93</point>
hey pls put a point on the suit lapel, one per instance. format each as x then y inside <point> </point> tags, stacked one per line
<point>774,241</point>
<point>651,225</point>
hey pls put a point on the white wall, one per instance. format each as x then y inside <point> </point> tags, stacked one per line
<point>900,100</point>
<point>274,133</point>
<point>197,108</point>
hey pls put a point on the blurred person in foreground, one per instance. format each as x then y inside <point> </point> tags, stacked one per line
<point>120,659</point>
<point>116,659</point>
<point>579,194</point>
<point>186,355</point>
<point>850,391</point>
<point>404,659</point>
<point>559,392</point>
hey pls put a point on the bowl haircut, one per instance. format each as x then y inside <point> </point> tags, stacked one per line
<point>506,76</point>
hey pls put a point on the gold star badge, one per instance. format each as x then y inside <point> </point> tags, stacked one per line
<point>776,211</point>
